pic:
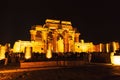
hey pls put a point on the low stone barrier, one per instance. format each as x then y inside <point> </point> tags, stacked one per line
<point>101,58</point>
<point>51,64</point>
<point>38,64</point>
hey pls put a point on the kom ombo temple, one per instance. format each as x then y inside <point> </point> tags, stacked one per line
<point>57,37</point>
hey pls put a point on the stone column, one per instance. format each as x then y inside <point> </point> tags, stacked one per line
<point>77,37</point>
<point>54,42</point>
<point>66,43</point>
<point>33,34</point>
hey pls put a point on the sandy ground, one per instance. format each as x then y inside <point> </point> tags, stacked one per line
<point>86,72</point>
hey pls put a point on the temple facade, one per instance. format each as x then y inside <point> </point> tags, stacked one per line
<point>58,40</point>
<point>60,37</point>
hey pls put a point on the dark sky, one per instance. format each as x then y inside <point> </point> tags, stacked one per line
<point>97,21</point>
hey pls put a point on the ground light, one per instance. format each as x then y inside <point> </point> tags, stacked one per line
<point>48,54</point>
<point>115,59</point>
<point>28,53</point>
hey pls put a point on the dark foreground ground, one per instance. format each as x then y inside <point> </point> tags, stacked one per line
<point>83,72</point>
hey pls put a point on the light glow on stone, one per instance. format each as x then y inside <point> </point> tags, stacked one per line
<point>2,52</point>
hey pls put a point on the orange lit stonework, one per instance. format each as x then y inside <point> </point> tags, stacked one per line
<point>57,36</point>
<point>2,52</point>
<point>62,37</point>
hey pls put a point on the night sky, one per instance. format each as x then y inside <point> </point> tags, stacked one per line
<point>97,21</point>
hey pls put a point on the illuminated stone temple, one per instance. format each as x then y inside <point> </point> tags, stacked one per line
<point>56,36</point>
<point>60,36</point>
